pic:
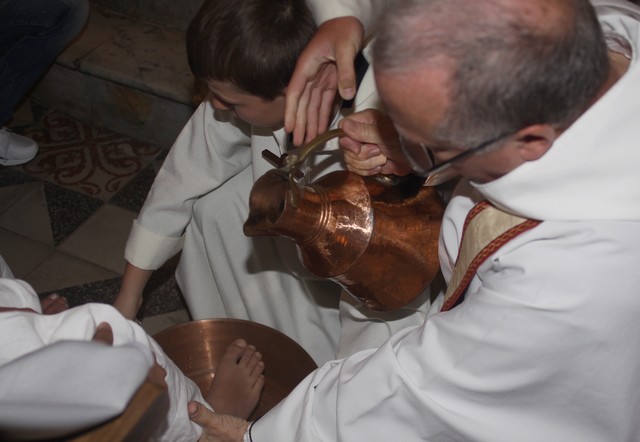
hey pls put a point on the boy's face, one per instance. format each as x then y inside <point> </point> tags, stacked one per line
<point>249,108</point>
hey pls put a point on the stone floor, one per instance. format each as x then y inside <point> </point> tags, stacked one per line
<point>65,216</point>
<point>127,75</point>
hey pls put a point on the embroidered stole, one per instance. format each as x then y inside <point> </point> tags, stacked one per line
<point>485,230</point>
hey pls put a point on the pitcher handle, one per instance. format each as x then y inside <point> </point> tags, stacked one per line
<point>297,156</point>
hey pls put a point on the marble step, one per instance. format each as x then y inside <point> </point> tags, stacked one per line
<point>126,75</point>
<point>170,13</point>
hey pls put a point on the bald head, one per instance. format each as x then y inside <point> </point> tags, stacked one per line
<point>512,63</point>
<point>441,27</point>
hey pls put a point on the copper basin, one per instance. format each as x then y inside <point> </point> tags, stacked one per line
<point>196,347</point>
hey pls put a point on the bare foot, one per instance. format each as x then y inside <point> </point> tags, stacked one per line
<point>53,304</point>
<point>238,380</point>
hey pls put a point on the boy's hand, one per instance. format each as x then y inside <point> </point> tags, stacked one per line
<point>326,64</point>
<point>371,145</point>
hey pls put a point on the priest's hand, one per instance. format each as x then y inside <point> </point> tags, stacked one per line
<point>371,145</point>
<point>324,66</point>
<point>217,427</point>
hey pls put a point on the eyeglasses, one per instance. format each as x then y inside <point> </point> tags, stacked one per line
<point>422,161</point>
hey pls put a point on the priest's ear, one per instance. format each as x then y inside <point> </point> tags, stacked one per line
<point>535,140</point>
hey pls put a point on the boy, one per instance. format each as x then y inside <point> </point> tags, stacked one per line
<point>245,51</point>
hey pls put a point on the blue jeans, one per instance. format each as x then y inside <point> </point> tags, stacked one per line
<point>32,34</point>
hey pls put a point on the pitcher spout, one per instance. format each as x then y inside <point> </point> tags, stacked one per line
<point>272,210</point>
<point>266,204</point>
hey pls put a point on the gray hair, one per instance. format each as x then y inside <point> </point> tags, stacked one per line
<point>513,63</point>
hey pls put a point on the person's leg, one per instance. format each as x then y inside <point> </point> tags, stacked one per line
<point>32,34</point>
<point>238,381</point>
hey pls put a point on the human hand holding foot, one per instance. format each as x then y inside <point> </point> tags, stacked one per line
<point>234,394</point>
<point>217,427</point>
<point>238,381</point>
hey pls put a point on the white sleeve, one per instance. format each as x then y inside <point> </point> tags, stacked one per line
<point>619,21</point>
<point>210,149</point>
<point>367,11</point>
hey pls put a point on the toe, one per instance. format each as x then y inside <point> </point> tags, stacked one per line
<point>247,356</point>
<point>257,370</point>
<point>259,384</point>
<point>253,361</point>
<point>53,304</point>
<point>235,351</point>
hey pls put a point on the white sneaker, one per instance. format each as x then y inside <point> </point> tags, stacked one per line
<point>16,149</point>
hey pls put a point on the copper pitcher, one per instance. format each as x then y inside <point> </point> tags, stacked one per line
<point>375,236</point>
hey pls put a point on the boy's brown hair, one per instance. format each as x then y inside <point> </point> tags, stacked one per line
<point>252,44</point>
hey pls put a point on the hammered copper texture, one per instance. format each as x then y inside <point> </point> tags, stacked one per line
<point>375,236</point>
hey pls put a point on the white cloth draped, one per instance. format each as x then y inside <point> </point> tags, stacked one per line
<point>52,381</point>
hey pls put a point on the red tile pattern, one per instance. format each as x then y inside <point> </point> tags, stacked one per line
<point>95,162</point>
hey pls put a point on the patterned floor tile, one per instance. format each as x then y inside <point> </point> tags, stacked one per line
<point>101,239</point>
<point>161,296</point>
<point>22,254</point>
<point>132,196</point>
<point>65,216</point>
<point>28,214</point>
<point>10,176</point>
<point>68,210</point>
<point>9,196</point>
<point>103,291</point>
<point>40,210</point>
<point>75,156</point>
<point>60,270</point>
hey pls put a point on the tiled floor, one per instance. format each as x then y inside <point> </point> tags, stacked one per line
<point>65,215</point>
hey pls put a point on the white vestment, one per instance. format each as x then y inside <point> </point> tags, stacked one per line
<point>199,203</point>
<point>54,382</point>
<point>367,11</point>
<point>544,346</point>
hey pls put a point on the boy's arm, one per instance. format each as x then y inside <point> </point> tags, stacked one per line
<point>209,150</point>
<point>129,297</point>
